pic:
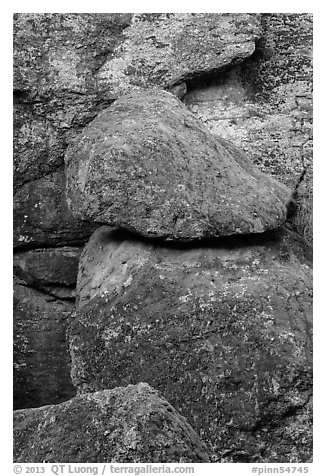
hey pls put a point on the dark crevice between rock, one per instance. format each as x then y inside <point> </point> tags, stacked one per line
<point>230,241</point>
<point>247,72</point>
<point>293,204</point>
<point>247,68</point>
<point>22,97</point>
<point>284,239</point>
<point>37,285</point>
<point>78,243</point>
<point>208,78</point>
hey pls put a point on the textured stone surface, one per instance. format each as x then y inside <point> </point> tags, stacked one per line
<point>222,330</point>
<point>56,57</point>
<point>165,49</point>
<point>51,265</point>
<point>148,165</point>
<point>42,216</point>
<point>38,146</point>
<point>132,424</point>
<point>51,270</point>
<point>264,105</point>
<point>223,327</point>
<point>303,216</point>
<point>67,67</point>
<point>41,359</point>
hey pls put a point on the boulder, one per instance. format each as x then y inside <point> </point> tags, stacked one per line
<point>39,146</point>
<point>56,57</point>
<point>68,66</point>
<point>148,165</point>
<point>41,358</point>
<point>52,270</point>
<point>221,328</point>
<point>166,49</point>
<point>264,104</point>
<point>42,216</point>
<point>62,55</point>
<point>131,424</point>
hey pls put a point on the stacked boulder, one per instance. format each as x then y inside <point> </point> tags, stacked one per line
<point>67,68</point>
<point>191,339</point>
<point>193,286</point>
<point>146,164</point>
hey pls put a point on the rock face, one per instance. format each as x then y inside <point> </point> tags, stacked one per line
<point>303,216</point>
<point>67,67</point>
<point>38,145</point>
<point>42,216</point>
<point>203,301</point>
<point>52,270</point>
<point>166,49</point>
<point>41,359</point>
<point>264,105</point>
<point>222,330</point>
<point>44,298</point>
<point>132,424</point>
<point>56,57</point>
<point>147,165</point>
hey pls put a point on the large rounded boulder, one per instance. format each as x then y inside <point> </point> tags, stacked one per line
<point>146,164</point>
<point>132,424</point>
<point>221,328</point>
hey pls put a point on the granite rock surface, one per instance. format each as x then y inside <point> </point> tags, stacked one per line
<point>131,424</point>
<point>222,330</point>
<point>148,165</point>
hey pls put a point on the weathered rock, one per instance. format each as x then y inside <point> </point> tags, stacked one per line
<point>264,105</point>
<point>67,67</point>
<point>148,165</point>
<point>42,216</point>
<point>291,440</point>
<point>222,330</point>
<point>41,359</point>
<point>303,216</point>
<point>132,424</point>
<point>56,55</point>
<point>51,270</point>
<point>39,146</point>
<point>49,265</point>
<point>166,49</point>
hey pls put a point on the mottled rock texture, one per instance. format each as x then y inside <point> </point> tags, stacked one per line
<point>38,145</point>
<point>56,57</point>
<point>44,298</point>
<point>67,67</point>
<point>166,49</point>
<point>148,165</point>
<point>222,329</point>
<point>41,359</point>
<point>303,213</point>
<point>131,424</point>
<point>52,270</point>
<point>264,105</point>
<point>42,216</point>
